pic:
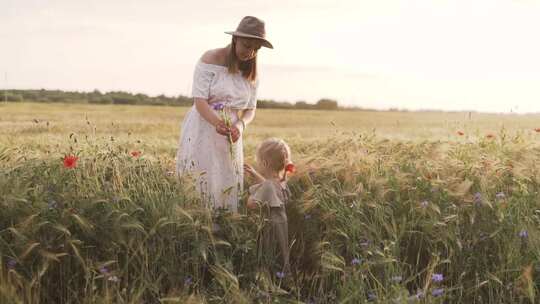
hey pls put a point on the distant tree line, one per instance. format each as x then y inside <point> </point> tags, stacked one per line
<point>94,97</point>
<point>126,98</point>
<point>323,104</point>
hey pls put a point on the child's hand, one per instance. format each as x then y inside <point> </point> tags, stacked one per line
<point>249,170</point>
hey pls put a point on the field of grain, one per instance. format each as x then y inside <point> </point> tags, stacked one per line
<point>388,207</point>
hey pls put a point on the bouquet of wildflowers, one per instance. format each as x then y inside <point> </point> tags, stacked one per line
<point>220,108</point>
<point>224,115</point>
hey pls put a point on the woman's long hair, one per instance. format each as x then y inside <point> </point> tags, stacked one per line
<point>248,68</point>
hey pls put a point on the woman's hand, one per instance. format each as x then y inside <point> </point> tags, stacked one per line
<point>221,128</point>
<point>235,132</point>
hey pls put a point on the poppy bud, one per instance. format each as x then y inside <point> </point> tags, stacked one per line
<point>290,168</point>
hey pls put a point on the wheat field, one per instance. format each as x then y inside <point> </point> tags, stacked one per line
<point>38,127</point>
<point>387,207</point>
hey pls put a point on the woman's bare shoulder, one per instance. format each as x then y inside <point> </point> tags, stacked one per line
<point>215,56</point>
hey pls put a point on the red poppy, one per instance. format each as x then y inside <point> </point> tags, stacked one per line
<point>290,168</point>
<point>70,161</point>
<point>460,133</point>
<point>136,153</point>
<point>537,130</point>
<point>490,136</point>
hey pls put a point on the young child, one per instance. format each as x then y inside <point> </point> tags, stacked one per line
<point>271,192</point>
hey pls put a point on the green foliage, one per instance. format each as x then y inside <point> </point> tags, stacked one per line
<point>11,96</point>
<point>126,98</point>
<point>94,97</point>
<point>327,104</point>
<point>371,221</point>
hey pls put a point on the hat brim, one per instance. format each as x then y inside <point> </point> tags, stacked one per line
<point>265,42</point>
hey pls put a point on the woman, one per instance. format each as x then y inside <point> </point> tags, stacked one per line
<point>224,91</point>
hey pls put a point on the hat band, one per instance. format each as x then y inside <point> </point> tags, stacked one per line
<point>251,31</point>
<point>250,34</point>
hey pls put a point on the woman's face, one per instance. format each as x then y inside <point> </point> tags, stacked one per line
<point>246,49</point>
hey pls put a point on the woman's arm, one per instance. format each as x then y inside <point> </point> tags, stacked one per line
<point>206,112</point>
<point>246,117</point>
<point>210,116</point>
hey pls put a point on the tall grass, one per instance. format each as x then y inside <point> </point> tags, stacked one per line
<point>371,220</point>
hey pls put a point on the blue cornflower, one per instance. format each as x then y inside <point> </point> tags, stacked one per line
<point>103,270</point>
<point>437,292</point>
<point>483,236</point>
<point>356,261</point>
<point>188,281</point>
<point>280,274</point>
<point>11,263</point>
<point>52,204</point>
<point>437,277</point>
<point>523,234</point>
<point>218,106</point>
<point>478,197</point>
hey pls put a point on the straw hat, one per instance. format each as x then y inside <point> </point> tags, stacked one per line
<point>252,27</point>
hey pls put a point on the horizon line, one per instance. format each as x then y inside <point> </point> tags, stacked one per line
<point>340,106</point>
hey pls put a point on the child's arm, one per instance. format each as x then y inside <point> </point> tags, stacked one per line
<point>251,203</point>
<point>256,175</point>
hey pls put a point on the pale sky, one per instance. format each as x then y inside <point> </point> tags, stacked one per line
<point>479,55</point>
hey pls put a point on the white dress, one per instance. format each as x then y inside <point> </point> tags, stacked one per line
<point>203,152</point>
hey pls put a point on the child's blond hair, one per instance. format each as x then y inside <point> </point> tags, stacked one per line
<point>275,153</point>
